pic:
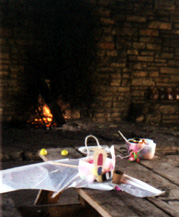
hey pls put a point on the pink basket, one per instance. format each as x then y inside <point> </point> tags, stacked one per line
<point>87,170</point>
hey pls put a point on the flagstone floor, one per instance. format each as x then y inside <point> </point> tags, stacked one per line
<point>23,143</point>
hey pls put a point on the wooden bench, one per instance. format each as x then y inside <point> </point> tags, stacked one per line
<point>162,172</point>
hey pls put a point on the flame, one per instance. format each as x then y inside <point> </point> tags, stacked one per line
<point>45,116</point>
<point>47,113</point>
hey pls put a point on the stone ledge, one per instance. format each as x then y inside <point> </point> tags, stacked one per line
<point>26,142</point>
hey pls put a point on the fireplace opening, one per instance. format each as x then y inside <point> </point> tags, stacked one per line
<point>60,61</point>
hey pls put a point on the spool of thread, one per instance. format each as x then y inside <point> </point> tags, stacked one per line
<point>117,176</point>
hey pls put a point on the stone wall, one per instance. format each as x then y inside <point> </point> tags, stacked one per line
<point>138,52</point>
<point>16,33</point>
<point>135,50</point>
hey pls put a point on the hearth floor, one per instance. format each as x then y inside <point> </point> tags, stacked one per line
<point>23,143</point>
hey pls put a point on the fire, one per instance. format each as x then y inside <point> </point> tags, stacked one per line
<point>47,115</point>
<point>43,117</point>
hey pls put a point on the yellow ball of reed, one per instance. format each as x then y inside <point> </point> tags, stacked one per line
<point>64,152</point>
<point>43,152</point>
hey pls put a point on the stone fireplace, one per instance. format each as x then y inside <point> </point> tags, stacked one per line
<point>108,60</point>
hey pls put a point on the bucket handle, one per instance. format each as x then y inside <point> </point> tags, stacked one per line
<point>86,140</point>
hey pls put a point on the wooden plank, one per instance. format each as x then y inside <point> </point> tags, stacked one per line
<point>166,166</point>
<point>119,204</point>
<point>170,207</point>
<point>84,194</point>
<point>154,173</point>
<point>144,174</point>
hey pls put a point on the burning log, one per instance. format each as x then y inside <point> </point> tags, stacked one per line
<point>57,113</point>
<point>51,101</point>
<point>48,112</point>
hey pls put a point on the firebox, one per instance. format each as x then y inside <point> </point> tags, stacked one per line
<point>104,60</point>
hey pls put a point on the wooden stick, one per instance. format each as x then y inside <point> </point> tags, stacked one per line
<point>127,142</point>
<point>44,158</point>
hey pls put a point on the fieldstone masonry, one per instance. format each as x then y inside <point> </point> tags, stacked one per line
<point>137,51</point>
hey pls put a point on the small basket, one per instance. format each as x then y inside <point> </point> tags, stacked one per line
<point>87,169</point>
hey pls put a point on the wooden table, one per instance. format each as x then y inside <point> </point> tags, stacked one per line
<point>162,172</point>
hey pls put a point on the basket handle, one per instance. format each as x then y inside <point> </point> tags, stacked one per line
<point>86,139</point>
